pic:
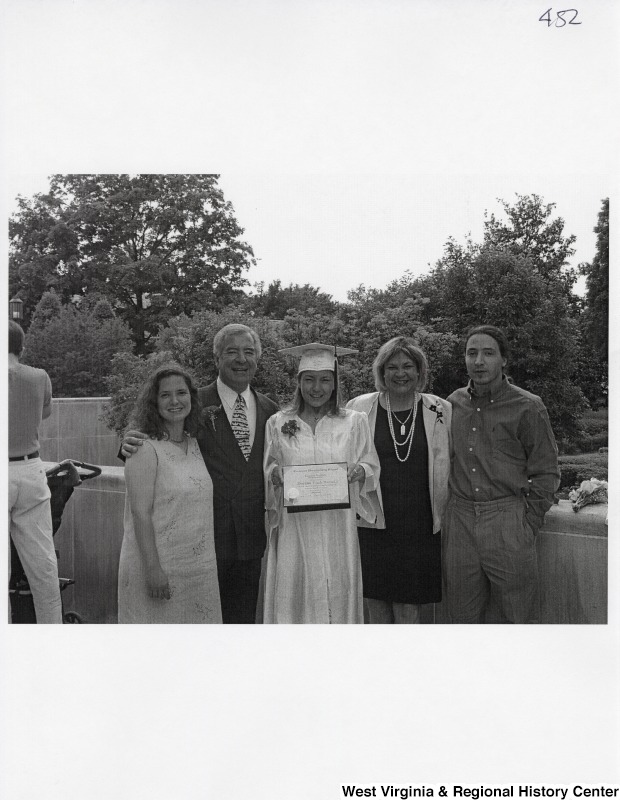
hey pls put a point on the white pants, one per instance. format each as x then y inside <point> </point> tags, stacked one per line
<point>30,527</point>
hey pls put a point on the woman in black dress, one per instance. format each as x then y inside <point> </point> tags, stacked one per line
<point>401,565</point>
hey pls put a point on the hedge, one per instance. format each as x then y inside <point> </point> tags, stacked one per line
<point>575,469</point>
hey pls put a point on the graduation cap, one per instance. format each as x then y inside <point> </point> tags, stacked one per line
<point>316,356</point>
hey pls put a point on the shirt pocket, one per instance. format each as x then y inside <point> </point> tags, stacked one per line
<point>509,449</point>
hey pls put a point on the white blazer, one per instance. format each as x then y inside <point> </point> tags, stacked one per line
<point>437,416</point>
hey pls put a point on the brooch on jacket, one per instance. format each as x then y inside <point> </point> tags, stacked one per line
<point>290,428</point>
<point>212,413</point>
<point>437,411</point>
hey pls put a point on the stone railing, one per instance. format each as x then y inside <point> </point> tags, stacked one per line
<point>89,544</point>
<point>572,551</point>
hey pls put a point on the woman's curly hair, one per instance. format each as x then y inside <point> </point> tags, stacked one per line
<point>146,418</point>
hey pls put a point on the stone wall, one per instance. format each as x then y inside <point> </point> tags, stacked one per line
<point>74,430</point>
<point>572,551</point>
<point>89,544</point>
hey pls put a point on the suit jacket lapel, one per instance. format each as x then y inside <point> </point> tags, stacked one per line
<point>218,427</point>
<point>261,419</point>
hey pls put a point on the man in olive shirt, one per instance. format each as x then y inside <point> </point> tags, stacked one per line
<point>503,477</point>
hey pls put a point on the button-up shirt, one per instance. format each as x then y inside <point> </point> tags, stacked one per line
<point>503,445</point>
<point>229,398</point>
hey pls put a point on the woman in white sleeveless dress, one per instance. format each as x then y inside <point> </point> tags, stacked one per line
<point>168,571</point>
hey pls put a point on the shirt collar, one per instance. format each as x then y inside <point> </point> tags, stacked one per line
<point>229,396</point>
<point>499,390</point>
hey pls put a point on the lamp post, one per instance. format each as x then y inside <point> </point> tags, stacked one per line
<point>16,309</point>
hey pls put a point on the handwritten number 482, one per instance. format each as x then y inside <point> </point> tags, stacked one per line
<point>560,22</point>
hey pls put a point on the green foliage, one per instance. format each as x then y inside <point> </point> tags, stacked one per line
<point>276,300</point>
<point>370,326</point>
<point>592,436</point>
<point>74,347</point>
<point>118,241</point>
<point>370,319</point>
<point>155,245</point>
<point>528,230</point>
<point>595,318</point>
<point>42,252</point>
<point>516,280</point>
<point>577,468</point>
<point>48,308</point>
<point>189,340</point>
<point>595,442</point>
<point>127,375</point>
<point>595,422</point>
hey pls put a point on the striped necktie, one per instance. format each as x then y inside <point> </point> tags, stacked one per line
<point>240,427</point>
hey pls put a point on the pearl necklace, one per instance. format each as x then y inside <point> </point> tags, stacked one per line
<point>403,424</point>
<point>409,438</point>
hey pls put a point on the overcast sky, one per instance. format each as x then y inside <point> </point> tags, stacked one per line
<point>352,138</point>
<point>338,231</point>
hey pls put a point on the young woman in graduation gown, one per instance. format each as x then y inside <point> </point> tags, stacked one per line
<point>312,570</point>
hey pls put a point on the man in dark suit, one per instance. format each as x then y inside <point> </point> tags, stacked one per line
<point>232,447</point>
<point>238,487</point>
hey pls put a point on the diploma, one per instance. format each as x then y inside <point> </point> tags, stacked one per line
<point>315,487</point>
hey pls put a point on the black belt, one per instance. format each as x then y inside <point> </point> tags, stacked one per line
<point>25,458</point>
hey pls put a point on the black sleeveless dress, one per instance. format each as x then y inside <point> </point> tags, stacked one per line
<point>402,563</point>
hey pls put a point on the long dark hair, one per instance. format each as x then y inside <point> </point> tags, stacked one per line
<point>146,418</point>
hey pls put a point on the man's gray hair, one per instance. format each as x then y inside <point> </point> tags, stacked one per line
<point>219,340</point>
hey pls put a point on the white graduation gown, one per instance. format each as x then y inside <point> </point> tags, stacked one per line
<point>313,571</point>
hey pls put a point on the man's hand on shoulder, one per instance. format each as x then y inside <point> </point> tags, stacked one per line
<point>131,441</point>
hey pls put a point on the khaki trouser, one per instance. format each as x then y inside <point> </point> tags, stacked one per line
<point>489,547</point>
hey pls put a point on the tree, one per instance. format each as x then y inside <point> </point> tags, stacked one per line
<point>155,245</point>
<point>48,308</point>
<point>42,254</point>
<point>277,300</point>
<point>128,372</point>
<point>189,340</point>
<point>75,347</point>
<point>405,307</point>
<point>595,320</point>
<point>529,231</point>
<point>475,285</point>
